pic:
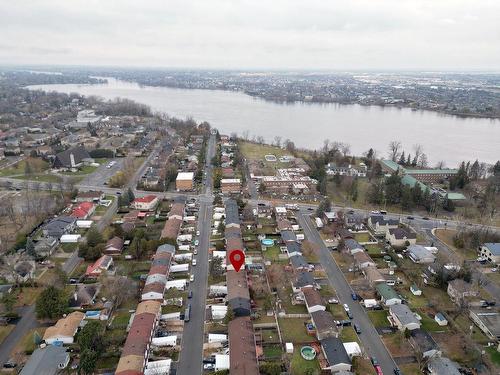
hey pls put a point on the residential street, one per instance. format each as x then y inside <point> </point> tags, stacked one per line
<point>193,337</point>
<point>28,321</point>
<point>369,337</point>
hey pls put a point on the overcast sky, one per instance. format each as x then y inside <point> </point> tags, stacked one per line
<point>270,34</point>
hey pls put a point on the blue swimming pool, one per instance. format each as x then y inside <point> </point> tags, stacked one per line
<point>267,242</point>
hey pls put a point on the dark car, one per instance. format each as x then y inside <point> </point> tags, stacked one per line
<point>190,294</point>
<point>10,364</point>
<point>397,372</point>
<point>410,217</point>
<point>354,296</point>
<point>349,314</point>
<point>425,218</point>
<point>357,329</point>
<point>374,361</point>
<point>345,323</point>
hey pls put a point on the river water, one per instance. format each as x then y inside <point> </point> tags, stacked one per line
<point>443,137</point>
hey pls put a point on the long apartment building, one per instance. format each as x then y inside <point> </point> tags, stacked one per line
<point>242,350</point>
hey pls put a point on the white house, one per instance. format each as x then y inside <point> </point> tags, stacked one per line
<point>403,317</point>
<point>146,203</point>
<point>490,251</point>
<point>215,337</point>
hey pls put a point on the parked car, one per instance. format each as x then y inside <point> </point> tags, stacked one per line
<point>346,308</point>
<point>190,294</point>
<point>197,232</point>
<point>374,361</point>
<point>195,252</point>
<point>397,371</point>
<point>196,242</point>
<point>193,262</point>
<point>191,278</point>
<point>333,300</point>
<point>10,364</point>
<point>349,314</point>
<point>354,296</point>
<point>425,218</point>
<point>410,217</point>
<point>356,328</point>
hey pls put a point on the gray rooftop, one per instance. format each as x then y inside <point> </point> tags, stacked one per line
<point>493,247</point>
<point>404,314</point>
<point>232,216</point>
<point>47,361</point>
<point>334,351</point>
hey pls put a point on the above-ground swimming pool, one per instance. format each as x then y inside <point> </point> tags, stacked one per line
<point>308,353</point>
<point>267,242</point>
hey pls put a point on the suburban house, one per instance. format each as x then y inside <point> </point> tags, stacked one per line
<point>324,324</point>
<point>50,360</point>
<point>488,321</point>
<point>490,251</point>
<point>104,263</point>
<point>423,343</point>
<point>379,224</point>
<point>71,158</point>
<point>146,203</point>
<point>419,254</point>
<point>353,246</point>
<point>184,181</point>
<point>59,226</point>
<point>373,275</point>
<point>83,210</point>
<point>313,300</point>
<point>402,317</point>
<point>335,354</point>
<point>415,290</point>
<point>303,279</point>
<point>83,296</point>
<point>388,295</point>
<point>400,237</point>
<point>459,289</point>
<point>65,329</point>
<point>89,196</point>
<point>114,246</point>
<point>363,260</point>
<point>45,246</point>
<point>329,216</point>
<point>442,366</point>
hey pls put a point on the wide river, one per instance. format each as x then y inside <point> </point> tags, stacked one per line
<point>447,138</point>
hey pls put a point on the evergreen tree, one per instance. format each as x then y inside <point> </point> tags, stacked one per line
<point>417,194</point>
<point>408,160</point>
<point>402,159</point>
<point>30,248</point>
<point>94,237</point>
<point>51,303</point>
<point>406,198</point>
<point>130,195</point>
<point>393,188</point>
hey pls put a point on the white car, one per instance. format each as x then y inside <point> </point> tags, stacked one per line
<point>346,308</point>
<point>191,278</point>
<point>195,252</point>
<point>494,269</point>
<point>196,243</point>
<point>193,262</point>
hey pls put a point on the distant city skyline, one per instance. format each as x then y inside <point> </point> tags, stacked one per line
<point>418,35</point>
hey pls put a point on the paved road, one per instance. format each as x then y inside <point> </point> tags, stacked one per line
<point>191,355</point>
<point>369,337</point>
<point>28,321</point>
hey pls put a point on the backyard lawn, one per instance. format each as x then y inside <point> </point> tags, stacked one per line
<point>348,335</point>
<point>362,237</point>
<point>300,366</point>
<point>294,330</point>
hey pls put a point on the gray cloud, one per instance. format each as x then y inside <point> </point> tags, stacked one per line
<point>306,34</point>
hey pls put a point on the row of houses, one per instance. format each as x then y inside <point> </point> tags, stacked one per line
<point>242,347</point>
<point>336,357</point>
<point>135,353</point>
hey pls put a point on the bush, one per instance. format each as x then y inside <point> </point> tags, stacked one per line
<point>102,153</point>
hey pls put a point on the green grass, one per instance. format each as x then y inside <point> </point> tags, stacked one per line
<point>272,253</point>
<point>37,166</point>
<point>107,362</point>
<point>348,335</point>
<point>362,237</point>
<point>429,324</point>
<point>378,318</point>
<point>273,351</point>
<point>300,366</point>
<point>121,318</point>
<point>294,330</point>
<point>337,311</point>
<point>86,169</point>
<point>494,355</point>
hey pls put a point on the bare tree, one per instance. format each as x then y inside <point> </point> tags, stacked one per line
<point>118,288</point>
<point>417,150</point>
<point>345,148</point>
<point>277,141</point>
<point>246,134</point>
<point>422,163</point>
<point>326,146</point>
<point>440,164</point>
<point>260,139</point>
<point>394,150</point>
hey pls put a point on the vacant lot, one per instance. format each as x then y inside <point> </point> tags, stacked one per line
<point>446,235</point>
<point>26,166</point>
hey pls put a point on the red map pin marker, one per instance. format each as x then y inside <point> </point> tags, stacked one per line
<point>237,258</point>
